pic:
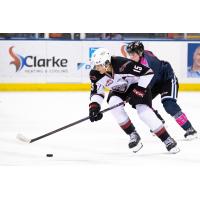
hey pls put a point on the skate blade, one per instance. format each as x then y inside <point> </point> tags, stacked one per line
<point>174,150</point>
<point>137,148</point>
<point>191,137</point>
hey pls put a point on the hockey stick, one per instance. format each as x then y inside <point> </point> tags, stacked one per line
<point>27,140</point>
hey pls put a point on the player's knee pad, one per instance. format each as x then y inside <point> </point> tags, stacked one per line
<point>114,100</point>
<point>147,115</point>
<point>119,113</point>
<point>171,107</point>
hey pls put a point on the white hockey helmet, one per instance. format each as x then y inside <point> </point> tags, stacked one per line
<point>101,57</point>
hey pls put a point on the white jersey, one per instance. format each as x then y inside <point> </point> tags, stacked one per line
<point>125,73</point>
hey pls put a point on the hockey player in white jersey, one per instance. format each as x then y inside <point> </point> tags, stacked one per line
<point>126,80</point>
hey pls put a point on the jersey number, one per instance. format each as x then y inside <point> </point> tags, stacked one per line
<point>137,68</point>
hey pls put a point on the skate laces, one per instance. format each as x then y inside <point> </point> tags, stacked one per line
<point>133,137</point>
<point>168,141</point>
<point>190,130</point>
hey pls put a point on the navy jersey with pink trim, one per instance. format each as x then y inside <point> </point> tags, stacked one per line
<point>162,69</point>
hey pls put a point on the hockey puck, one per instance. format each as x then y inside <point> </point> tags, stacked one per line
<point>49,155</point>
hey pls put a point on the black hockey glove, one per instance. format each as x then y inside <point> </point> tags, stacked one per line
<point>94,112</point>
<point>139,91</point>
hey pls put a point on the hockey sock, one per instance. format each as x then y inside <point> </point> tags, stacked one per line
<point>162,134</point>
<point>182,120</point>
<point>127,127</point>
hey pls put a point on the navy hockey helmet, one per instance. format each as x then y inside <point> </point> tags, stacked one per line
<point>135,47</point>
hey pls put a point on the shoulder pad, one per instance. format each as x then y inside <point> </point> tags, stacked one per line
<point>95,75</point>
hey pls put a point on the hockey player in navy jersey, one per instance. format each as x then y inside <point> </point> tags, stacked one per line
<point>125,79</point>
<point>164,83</point>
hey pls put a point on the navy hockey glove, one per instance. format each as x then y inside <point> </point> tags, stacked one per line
<point>94,112</point>
<point>139,91</point>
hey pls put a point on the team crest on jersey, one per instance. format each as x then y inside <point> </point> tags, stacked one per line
<point>109,82</point>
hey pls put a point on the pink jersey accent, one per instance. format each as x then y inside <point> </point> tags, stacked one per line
<point>144,62</point>
<point>182,119</point>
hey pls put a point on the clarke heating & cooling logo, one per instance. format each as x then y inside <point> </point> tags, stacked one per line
<point>32,63</point>
<point>123,50</point>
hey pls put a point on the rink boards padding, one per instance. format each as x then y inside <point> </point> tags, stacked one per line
<point>70,87</point>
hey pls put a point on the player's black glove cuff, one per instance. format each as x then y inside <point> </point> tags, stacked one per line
<point>94,112</point>
<point>139,91</point>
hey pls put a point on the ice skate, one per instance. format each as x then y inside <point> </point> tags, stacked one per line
<point>190,134</point>
<point>135,142</point>
<point>171,145</point>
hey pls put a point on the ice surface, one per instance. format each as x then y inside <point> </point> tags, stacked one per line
<point>97,149</point>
